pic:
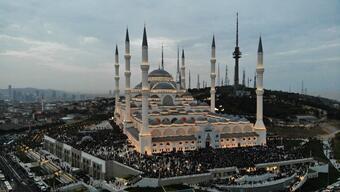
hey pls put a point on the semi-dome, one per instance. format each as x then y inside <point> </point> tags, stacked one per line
<point>159,73</point>
<point>164,85</point>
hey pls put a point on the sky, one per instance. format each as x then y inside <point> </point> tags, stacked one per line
<point>69,45</point>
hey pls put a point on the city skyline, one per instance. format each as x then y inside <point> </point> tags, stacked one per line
<point>69,47</point>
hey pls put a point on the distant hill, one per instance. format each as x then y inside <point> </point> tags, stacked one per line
<point>277,104</point>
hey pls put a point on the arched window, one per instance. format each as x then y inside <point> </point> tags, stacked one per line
<point>167,100</point>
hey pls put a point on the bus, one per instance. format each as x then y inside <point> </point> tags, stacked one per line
<point>8,186</point>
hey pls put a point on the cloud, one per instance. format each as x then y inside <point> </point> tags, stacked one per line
<point>46,53</point>
<point>327,45</point>
<point>72,40</point>
<point>89,40</point>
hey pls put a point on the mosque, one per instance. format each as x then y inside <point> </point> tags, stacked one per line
<point>159,114</point>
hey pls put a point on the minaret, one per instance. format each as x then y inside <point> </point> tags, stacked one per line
<point>236,55</point>
<point>144,134</point>
<point>218,75</point>
<point>259,126</point>
<point>127,57</point>
<point>116,79</point>
<point>212,76</point>
<point>183,71</point>
<point>178,73</point>
<point>198,81</point>
<point>189,80</point>
<point>162,63</point>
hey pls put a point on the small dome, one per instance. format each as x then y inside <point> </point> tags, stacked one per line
<point>203,104</point>
<point>201,118</point>
<point>166,121</point>
<point>190,120</point>
<point>154,121</point>
<point>178,121</point>
<point>138,86</point>
<point>159,73</point>
<point>222,120</point>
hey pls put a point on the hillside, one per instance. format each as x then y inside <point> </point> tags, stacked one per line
<point>276,104</point>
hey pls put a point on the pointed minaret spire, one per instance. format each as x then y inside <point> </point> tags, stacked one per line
<point>145,58</point>
<point>116,52</point>
<point>178,74</point>
<point>177,59</point>
<point>213,42</point>
<point>260,50</point>
<point>127,39</point>
<point>162,63</point>
<point>145,40</point>
<point>183,84</point>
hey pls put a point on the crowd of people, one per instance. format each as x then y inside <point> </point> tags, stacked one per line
<point>200,161</point>
<point>112,144</point>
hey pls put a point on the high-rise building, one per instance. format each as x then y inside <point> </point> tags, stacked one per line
<point>10,93</point>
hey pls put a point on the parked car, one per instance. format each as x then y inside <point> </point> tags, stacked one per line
<point>30,175</point>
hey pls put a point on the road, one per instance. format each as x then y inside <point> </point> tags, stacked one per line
<point>20,181</point>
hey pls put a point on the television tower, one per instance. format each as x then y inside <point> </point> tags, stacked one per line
<point>236,55</point>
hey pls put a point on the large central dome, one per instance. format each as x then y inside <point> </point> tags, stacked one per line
<point>159,73</point>
<point>159,79</point>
